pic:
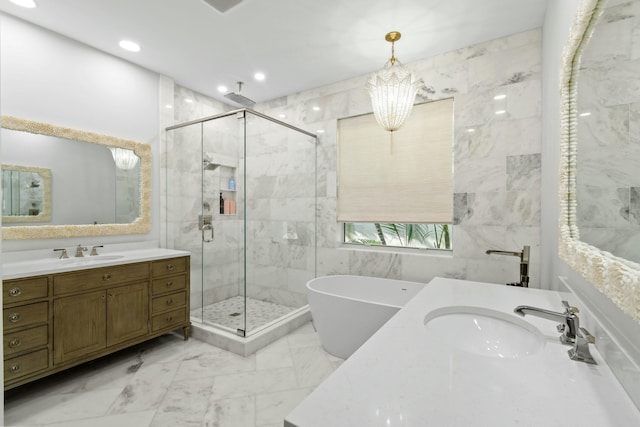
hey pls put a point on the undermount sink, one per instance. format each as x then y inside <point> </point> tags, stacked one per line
<point>90,259</point>
<point>483,332</point>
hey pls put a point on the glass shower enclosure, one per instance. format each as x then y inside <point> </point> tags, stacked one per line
<point>241,197</point>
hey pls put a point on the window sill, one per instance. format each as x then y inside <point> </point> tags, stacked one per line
<point>444,253</point>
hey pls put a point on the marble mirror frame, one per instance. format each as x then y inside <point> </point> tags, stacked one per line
<point>140,225</point>
<point>615,277</point>
<point>45,214</point>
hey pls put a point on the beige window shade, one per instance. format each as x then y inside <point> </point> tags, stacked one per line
<point>406,178</point>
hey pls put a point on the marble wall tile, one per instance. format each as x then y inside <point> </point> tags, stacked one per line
<point>376,264</point>
<point>523,172</point>
<point>496,167</point>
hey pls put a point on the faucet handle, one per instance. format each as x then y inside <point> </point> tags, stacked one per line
<point>63,254</point>
<point>94,250</point>
<point>568,309</point>
<point>587,335</point>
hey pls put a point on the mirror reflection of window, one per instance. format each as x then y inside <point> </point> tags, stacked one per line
<point>25,194</point>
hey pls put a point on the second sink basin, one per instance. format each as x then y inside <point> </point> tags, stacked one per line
<point>483,332</point>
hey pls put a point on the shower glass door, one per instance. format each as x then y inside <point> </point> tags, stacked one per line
<point>241,197</point>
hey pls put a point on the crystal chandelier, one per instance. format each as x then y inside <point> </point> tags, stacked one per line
<point>124,159</point>
<point>392,90</point>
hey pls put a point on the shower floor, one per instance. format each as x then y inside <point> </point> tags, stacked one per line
<point>230,313</point>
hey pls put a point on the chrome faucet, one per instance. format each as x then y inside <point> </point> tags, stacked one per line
<point>524,264</point>
<point>572,333</point>
<point>79,251</point>
<point>63,253</point>
<point>94,250</point>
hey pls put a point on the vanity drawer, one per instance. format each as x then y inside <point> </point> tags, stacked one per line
<point>24,290</point>
<point>167,302</point>
<point>24,365</point>
<point>166,320</point>
<point>25,315</point>
<point>27,339</point>
<point>168,284</point>
<point>168,266</point>
<point>96,277</point>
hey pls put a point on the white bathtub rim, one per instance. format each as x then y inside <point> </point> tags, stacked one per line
<point>338,295</point>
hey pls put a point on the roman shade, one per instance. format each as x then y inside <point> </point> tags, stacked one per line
<point>402,177</point>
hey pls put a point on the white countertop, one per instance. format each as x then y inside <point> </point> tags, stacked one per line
<point>400,378</point>
<point>18,268</point>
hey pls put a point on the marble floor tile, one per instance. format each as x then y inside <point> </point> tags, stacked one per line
<point>271,408</point>
<point>169,382</point>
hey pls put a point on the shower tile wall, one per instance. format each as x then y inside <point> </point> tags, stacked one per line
<point>190,193</point>
<point>496,168</point>
<point>281,185</point>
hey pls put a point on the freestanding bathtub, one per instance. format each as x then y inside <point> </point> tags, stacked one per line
<point>347,310</point>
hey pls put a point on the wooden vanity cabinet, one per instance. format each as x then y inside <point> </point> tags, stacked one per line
<point>26,332</point>
<point>69,318</point>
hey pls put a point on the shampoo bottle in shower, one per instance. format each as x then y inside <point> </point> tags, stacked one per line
<point>232,183</point>
<point>221,203</point>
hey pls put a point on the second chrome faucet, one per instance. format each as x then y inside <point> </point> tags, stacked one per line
<point>569,326</point>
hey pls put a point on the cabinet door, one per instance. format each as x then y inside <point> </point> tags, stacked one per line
<point>79,326</point>
<point>127,312</point>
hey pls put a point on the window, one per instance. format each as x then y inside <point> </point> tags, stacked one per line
<point>396,189</point>
<point>423,236</point>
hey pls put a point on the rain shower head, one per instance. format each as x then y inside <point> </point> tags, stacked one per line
<point>240,99</point>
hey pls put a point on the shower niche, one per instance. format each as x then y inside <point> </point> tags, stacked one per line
<point>221,170</point>
<point>257,187</point>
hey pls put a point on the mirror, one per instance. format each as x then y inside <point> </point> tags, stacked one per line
<point>26,194</point>
<point>100,184</point>
<point>599,233</point>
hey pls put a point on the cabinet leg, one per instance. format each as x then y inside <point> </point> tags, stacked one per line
<point>185,332</point>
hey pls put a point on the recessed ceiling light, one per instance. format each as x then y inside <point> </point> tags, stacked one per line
<point>30,4</point>
<point>188,100</point>
<point>499,97</point>
<point>168,106</point>
<point>282,116</point>
<point>130,46</point>
<point>471,130</point>
<point>320,131</point>
<point>259,76</point>
<point>501,111</point>
<point>585,114</point>
<point>316,108</point>
<point>222,89</point>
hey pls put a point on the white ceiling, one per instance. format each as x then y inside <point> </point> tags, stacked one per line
<point>298,44</point>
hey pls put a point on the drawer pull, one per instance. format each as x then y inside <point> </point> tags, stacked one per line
<point>14,317</point>
<point>170,267</point>
<point>106,277</point>
<point>169,301</point>
<point>15,368</point>
<point>169,318</point>
<point>169,284</point>
<point>15,343</point>
<point>15,292</point>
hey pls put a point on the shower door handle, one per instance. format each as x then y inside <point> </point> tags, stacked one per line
<point>204,229</point>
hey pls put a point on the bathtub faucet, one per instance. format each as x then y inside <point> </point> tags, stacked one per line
<point>524,264</point>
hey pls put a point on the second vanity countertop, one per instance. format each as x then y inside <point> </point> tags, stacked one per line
<point>19,268</point>
<point>401,378</point>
